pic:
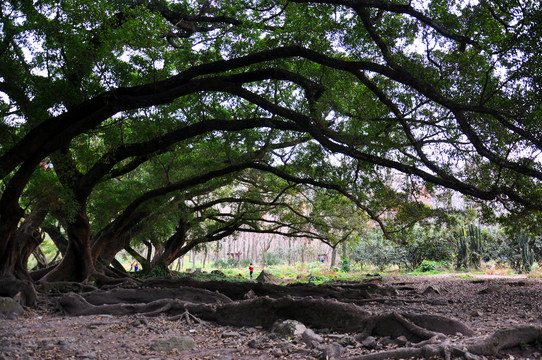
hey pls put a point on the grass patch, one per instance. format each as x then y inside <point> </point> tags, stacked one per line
<point>464,276</point>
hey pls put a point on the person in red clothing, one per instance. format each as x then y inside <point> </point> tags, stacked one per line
<point>251,269</point>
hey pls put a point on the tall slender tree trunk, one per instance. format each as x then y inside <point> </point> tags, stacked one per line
<point>303,249</point>
<point>289,252</point>
<point>204,257</point>
<point>333,256</point>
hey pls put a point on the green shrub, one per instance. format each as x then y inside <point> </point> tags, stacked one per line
<point>428,265</point>
<point>223,264</point>
<point>272,259</point>
<point>220,264</point>
<point>159,271</point>
<point>345,265</point>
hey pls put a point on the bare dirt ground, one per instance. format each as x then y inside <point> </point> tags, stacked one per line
<point>485,303</point>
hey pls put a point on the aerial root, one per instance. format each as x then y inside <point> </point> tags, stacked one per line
<point>188,318</point>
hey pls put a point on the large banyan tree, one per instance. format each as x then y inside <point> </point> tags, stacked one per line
<point>116,114</point>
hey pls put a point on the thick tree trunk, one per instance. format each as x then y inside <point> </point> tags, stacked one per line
<point>77,264</point>
<point>18,244</point>
<point>107,246</point>
<point>8,251</point>
<point>115,237</point>
<point>174,247</point>
<point>9,247</point>
<point>10,215</point>
<point>29,238</point>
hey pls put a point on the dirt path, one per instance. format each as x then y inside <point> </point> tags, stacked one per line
<point>485,303</point>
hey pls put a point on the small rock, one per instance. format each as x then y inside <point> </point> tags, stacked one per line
<point>10,308</point>
<point>230,334</point>
<point>331,351</point>
<point>476,313</point>
<point>490,289</point>
<point>432,290</point>
<point>266,277</point>
<point>224,357</point>
<point>401,340</point>
<point>178,342</point>
<point>218,272</point>
<point>288,328</point>
<point>250,295</point>
<point>91,355</point>
<point>388,291</point>
<point>370,342</point>
<point>140,323</point>
<point>256,344</point>
<point>439,302</point>
<point>348,341</point>
<point>284,346</point>
<point>311,339</point>
<point>277,352</point>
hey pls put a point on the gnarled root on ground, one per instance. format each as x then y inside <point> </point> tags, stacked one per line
<point>474,349</point>
<point>263,311</point>
<point>22,290</point>
<point>188,318</point>
<point>414,327</point>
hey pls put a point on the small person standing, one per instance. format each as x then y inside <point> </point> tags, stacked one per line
<point>251,269</point>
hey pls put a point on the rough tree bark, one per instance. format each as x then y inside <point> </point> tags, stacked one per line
<point>77,264</point>
<point>428,334</point>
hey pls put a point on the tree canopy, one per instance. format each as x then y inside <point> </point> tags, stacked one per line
<point>121,115</point>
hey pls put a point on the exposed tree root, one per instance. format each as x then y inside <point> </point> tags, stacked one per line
<point>147,295</point>
<point>414,327</point>
<point>488,346</point>
<point>428,332</point>
<point>505,339</point>
<point>74,304</point>
<point>262,311</point>
<point>385,300</point>
<point>237,291</point>
<point>62,287</point>
<point>188,318</point>
<point>22,289</point>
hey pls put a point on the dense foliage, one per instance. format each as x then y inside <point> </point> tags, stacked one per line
<point>170,124</point>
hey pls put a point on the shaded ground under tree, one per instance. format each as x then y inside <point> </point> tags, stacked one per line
<point>427,317</point>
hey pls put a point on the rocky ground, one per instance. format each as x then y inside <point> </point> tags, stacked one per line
<point>485,303</point>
